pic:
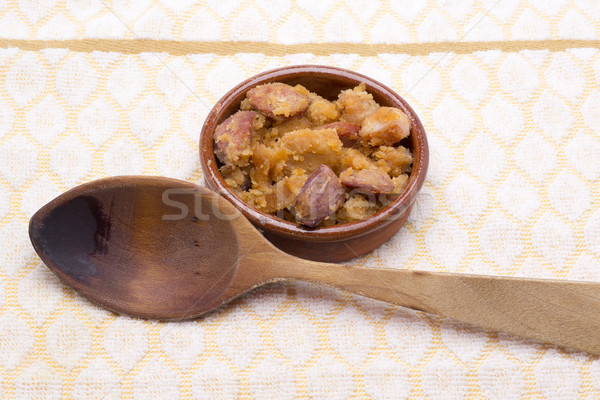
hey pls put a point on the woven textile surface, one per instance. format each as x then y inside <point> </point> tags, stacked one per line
<point>508,92</point>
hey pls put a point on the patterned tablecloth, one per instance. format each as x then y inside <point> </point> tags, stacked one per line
<point>508,92</point>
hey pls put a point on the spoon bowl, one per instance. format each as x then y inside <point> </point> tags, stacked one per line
<point>166,249</point>
<point>143,246</point>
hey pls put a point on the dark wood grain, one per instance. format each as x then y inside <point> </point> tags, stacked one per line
<point>126,246</point>
<point>120,244</point>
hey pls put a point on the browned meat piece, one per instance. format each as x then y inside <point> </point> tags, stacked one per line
<point>277,100</point>
<point>393,160</point>
<point>347,132</point>
<point>368,181</point>
<point>309,148</point>
<point>321,195</point>
<point>321,111</point>
<point>232,137</point>
<point>386,126</point>
<point>356,104</point>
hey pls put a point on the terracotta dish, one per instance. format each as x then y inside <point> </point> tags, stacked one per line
<point>337,242</point>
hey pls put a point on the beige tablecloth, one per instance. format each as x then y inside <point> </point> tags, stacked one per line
<point>508,92</point>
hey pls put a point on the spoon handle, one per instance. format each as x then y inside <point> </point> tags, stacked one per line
<point>564,313</point>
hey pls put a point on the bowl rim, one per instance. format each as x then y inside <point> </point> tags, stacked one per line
<point>271,223</point>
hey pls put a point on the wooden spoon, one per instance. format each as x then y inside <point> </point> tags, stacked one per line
<point>167,249</point>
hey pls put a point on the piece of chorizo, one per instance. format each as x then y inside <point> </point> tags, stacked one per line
<point>321,195</point>
<point>278,100</point>
<point>232,137</point>
<point>368,181</point>
<point>347,132</point>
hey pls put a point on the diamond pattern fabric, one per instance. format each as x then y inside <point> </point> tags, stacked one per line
<point>508,94</point>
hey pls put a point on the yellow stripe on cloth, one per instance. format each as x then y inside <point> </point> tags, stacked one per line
<point>179,48</point>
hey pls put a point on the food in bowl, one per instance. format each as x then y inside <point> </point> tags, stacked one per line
<point>291,153</point>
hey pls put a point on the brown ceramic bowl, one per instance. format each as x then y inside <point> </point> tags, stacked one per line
<point>332,243</point>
